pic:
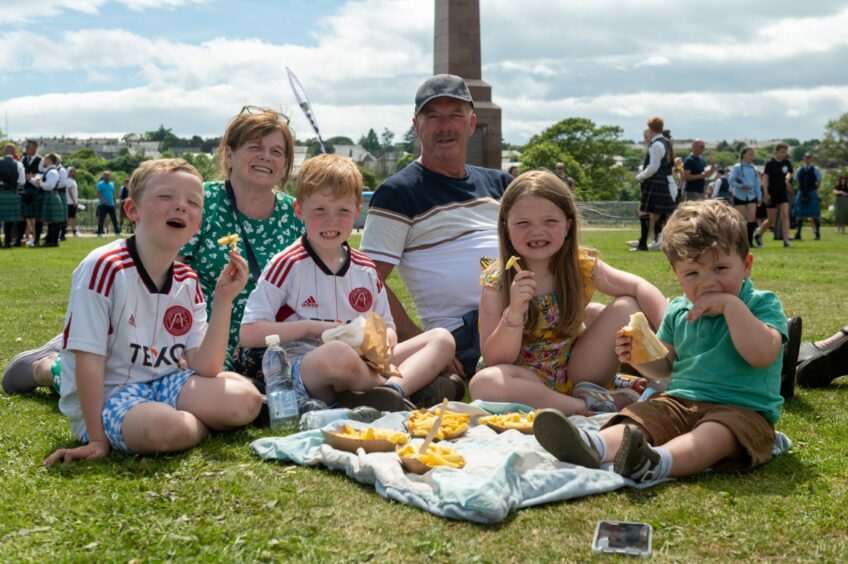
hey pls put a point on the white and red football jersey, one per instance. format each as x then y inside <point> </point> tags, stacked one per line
<point>116,311</point>
<point>296,284</point>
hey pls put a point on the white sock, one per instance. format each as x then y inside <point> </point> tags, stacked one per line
<point>664,467</point>
<point>596,442</point>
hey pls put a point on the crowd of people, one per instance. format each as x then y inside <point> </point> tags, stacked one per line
<point>163,337</point>
<point>38,191</point>
<point>778,198</point>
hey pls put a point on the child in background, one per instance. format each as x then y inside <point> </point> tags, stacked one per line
<point>134,317</point>
<point>319,282</point>
<point>725,351</point>
<point>543,343</point>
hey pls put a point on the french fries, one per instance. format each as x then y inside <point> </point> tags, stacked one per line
<point>453,424</point>
<point>373,434</point>
<point>436,455</point>
<point>520,421</point>
<point>513,263</point>
<point>231,240</point>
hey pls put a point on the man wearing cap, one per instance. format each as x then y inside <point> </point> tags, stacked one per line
<point>436,219</point>
<point>807,199</point>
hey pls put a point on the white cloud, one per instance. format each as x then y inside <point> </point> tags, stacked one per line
<point>653,61</point>
<point>19,11</point>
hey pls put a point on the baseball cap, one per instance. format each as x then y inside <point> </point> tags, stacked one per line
<point>440,85</point>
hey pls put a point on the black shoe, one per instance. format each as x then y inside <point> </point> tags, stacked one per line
<point>758,241</point>
<point>790,357</point>
<point>445,385</point>
<point>797,237</point>
<point>640,248</point>
<point>818,367</point>
<point>635,458</point>
<point>561,438</point>
<point>381,398</point>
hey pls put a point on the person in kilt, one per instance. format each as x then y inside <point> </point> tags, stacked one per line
<point>53,210</point>
<point>655,200</point>
<point>12,178</point>
<point>30,204</point>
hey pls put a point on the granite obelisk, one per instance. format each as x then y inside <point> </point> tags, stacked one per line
<point>457,51</point>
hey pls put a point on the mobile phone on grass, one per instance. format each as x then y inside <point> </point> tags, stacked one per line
<point>623,537</point>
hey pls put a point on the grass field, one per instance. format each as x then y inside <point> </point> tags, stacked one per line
<point>218,502</point>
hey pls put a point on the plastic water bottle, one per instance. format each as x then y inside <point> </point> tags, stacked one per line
<point>317,419</point>
<point>279,388</point>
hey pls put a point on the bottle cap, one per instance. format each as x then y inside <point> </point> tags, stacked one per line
<point>272,340</point>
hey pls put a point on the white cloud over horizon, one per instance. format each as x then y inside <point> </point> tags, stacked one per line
<point>753,76</point>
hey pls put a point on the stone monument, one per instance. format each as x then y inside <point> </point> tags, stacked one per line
<point>457,51</point>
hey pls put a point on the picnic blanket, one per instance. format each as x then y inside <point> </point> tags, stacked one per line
<point>503,472</point>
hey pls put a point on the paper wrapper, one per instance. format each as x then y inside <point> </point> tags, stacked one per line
<point>367,335</point>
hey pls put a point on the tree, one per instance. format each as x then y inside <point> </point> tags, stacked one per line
<point>835,143</point>
<point>387,138</point>
<point>404,160</point>
<point>409,140</point>
<point>370,142</point>
<point>204,165</point>
<point>126,162</point>
<point>369,179</point>
<point>165,137</point>
<point>586,150</point>
<point>339,140</point>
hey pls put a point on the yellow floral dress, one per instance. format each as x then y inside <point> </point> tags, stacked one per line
<point>543,349</point>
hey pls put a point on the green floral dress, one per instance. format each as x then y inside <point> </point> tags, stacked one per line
<point>267,237</point>
<point>543,349</point>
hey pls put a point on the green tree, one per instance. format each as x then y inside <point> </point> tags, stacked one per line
<point>409,140</point>
<point>339,140</point>
<point>203,163</point>
<point>369,179</point>
<point>405,159</point>
<point>86,160</point>
<point>578,141</point>
<point>834,146</point>
<point>126,162</point>
<point>370,142</point>
<point>387,140</point>
<point>164,136</point>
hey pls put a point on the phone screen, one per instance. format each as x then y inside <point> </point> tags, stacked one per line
<point>623,537</point>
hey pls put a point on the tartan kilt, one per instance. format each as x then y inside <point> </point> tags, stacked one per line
<point>811,208</point>
<point>53,206</point>
<point>655,197</point>
<point>10,205</point>
<point>33,206</point>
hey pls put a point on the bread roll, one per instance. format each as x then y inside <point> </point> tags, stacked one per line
<point>645,345</point>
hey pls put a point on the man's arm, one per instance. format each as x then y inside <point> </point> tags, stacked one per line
<point>406,328</point>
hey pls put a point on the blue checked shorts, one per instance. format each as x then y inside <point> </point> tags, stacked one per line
<point>163,390</point>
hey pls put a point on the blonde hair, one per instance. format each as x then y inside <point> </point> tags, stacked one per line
<point>565,265</point>
<point>337,173</point>
<point>247,127</point>
<point>701,227</point>
<point>141,177</point>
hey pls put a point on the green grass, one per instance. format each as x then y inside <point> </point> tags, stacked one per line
<point>218,502</point>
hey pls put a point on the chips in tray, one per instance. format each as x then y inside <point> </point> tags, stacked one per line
<point>522,422</point>
<point>435,455</point>
<point>370,439</point>
<point>453,424</point>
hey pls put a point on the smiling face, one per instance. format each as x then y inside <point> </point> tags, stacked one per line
<point>444,126</point>
<point>713,272</point>
<point>537,228</point>
<point>259,163</point>
<point>169,209</point>
<point>328,219</point>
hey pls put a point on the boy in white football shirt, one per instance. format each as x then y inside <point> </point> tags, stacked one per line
<point>136,319</point>
<point>317,283</point>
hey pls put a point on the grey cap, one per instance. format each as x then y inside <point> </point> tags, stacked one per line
<point>440,85</point>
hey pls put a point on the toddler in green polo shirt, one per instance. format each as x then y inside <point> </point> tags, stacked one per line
<point>725,342</point>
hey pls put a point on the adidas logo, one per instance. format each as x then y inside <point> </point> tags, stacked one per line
<point>132,320</point>
<point>309,302</point>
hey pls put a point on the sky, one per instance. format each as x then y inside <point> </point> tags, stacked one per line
<point>726,69</point>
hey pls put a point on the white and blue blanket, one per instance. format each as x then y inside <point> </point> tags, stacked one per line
<point>503,472</point>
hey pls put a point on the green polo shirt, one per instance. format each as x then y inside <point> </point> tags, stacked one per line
<point>708,367</point>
